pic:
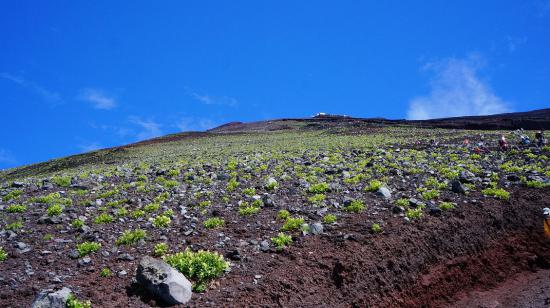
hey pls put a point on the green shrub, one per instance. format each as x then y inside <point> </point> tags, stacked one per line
<point>121,212</point>
<point>430,194</point>
<point>374,185</point>
<point>131,237</point>
<point>137,214</point>
<point>355,206</point>
<point>77,223</point>
<point>47,237</point>
<point>87,248</point>
<point>108,193</point>
<point>214,222</point>
<point>283,214</point>
<point>248,210</point>
<point>205,203</point>
<point>249,191</point>
<point>105,272</point>
<point>281,241</point>
<point>445,206</point>
<point>161,221</point>
<point>160,249</point>
<point>376,228</point>
<point>73,302</point>
<point>404,202</point>
<point>48,199</point>
<point>318,188</point>
<point>271,185</point>
<point>292,223</point>
<point>3,254</point>
<point>103,218</point>
<point>152,207</point>
<point>63,181</point>
<point>54,210</point>
<point>200,267</point>
<point>536,184</point>
<point>497,193</point>
<point>329,219</point>
<point>316,199</point>
<point>16,225</point>
<point>414,213</point>
<point>16,208</point>
<point>12,195</point>
<point>232,184</point>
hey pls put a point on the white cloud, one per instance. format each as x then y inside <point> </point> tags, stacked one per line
<point>515,42</point>
<point>189,124</point>
<point>148,128</point>
<point>456,90</point>
<point>47,95</point>
<point>98,98</point>
<point>89,146</point>
<point>215,100</point>
<point>6,157</point>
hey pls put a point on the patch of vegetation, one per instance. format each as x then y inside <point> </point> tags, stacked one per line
<point>316,199</point>
<point>413,214</point>
<point>62,181</point>
<point>356,206</point>
<point>374,185</point>
<point>214,222</point>
<point>404,202</point>
<point>498,193</point>
<point>54,210</point>
<point>281,241</point>
<point>3,254</point>
<point>201,266</point>
<point>318,188</point>
<point>12,195</point>
<point>151,207</point>
<point>103,218</point>
<point>14,226</point>
<point>131,237</point>
<point>87,248</point>
<point>375,228</point>
<point>161,221</point>
<point>430,194</point>
<point>445,206</point>
<point>16,208</point>
<point>77,223</point>
<point>283,214</point>
<point>160,249</point>
<point>329,219</point>
<point>246,209</point>
<point>292,223</point>
<point>73,302</point>
<point>105,272</point>
<point>137,214</point>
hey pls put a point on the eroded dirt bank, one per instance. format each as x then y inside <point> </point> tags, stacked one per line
<point>428,264</point>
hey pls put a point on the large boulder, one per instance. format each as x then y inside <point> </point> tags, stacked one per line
<point>384,192</point>
<point>163,281</point>
<point>50,299</point>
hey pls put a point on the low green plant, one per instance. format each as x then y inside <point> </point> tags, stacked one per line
<point>12,195</point>
<point>281,241</point>
<point>205,203</point>
<point>214,222</point>
<point>16,208</point>
<point>87,248</point>
<point>318,188</point>
<point>329,219</point>
<point>161,221</point>
<point>430,194</point>
<point>248,210</point>
<point>404,202</point>
<point>445,206</point>
<point>62,181</point>
<point>316,199</point>
<point>137,214</point>
<point>73,302</point>
<point>3,254</point>
<point>536,184</point>
<point>249,191</point>
<point>414,213</point>
<point>77,223</point>
<point>497,193</point>
<point>232,184</point>
<point>16,225</point>
<point>201,266</point>
<point>47,237</point>
<point>105,272</point>
<point>292,223</point>
<point>160,249</point>
<point>151,207</point>
<point>374,185</point>
<point>355,206</point>
<point>131,237</point>
<point>54,210</point>
<point>375,228</point>
<point>103,218</point>
<point>283,214</point>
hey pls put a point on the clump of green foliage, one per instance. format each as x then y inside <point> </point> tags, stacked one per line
<point>356,206</point>
<point>77,223</point>
<point>12,195</point>
<point>283,214</point>
<point>161,221</point>
<point>329,219</point>
<point>131,237</point>
<point>87,248</point>
<point>214,222</point>
<point>249,191</point>
<point>430,194</point>
<point>413,213</point>
<point>62,181</point>
<point>151,207</point>
<point>292,223</point>
<point>404,202</point>
<point>160,249</point>
<point>3,254</point>
<point>232,184</point>
<point>54,210</point>
<point>374,185</point>
<point>16,225</point>
<point>281,241</point>
<point>105,272</point>
<point>16,208</point>
<point>318,188</point>
<point>137,214</point>
<point>246,209</point>
<point>201,266</point>
<point>445,206</point>
<point>103,218</point>
<point>497,193</point>
<point>375,228</point>
<point>73,302</point>
<point>316,199</point>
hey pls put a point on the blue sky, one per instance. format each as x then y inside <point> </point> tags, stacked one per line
<point>81,75</point>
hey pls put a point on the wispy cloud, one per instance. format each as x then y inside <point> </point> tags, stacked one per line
<point>147,128</point>
<point>89,146</point>
<point>47,95</point>
<point>98,98</point>
<point>190,124</point>
<point>208,99</point>
<point>6,157</point>
<point>515,42</point>
<point>456,90</point>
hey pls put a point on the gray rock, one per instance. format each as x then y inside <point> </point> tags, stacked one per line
<point>264,246</point>
<point>84,261</point>
<point>316,228</point>
<point>384,192</point>
<point>125,257</point>
<point>466,177</point>
<point>163,281</point>
<point>414,203</point>
<point>49,299</point>
<point>457,187</point>
<point>347,200</point>
<point>22,247</point>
